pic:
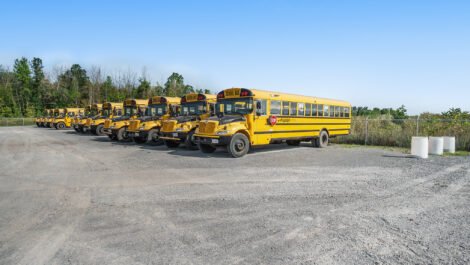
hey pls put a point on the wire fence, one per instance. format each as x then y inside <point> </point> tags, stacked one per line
<point>17,121</point>
<point>398,132</point>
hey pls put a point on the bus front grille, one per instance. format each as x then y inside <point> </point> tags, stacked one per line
<point>134,125</point>
<point>207,126</point>
<point>107,123</point>
<point>168,126</point>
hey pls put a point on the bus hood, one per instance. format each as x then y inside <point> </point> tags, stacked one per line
<point>227,119</point>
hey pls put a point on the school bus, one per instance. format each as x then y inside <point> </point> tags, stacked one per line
<point>250,117</point>
<point>146,128</point>
<point>181,129</point>
<point>64,120</point>
<point>41,121</point>
<point>94,111</point>
<point>49,119</point>
<point>57,114</point>
<point>116,128</point>
<point>109,110</point>
<point>80,117</point>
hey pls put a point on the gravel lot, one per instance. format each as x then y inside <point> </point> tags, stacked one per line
<point>80,199</point>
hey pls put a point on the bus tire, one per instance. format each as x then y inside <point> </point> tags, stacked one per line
<point>239,145</point>
<point>154,137</point>
<point>206,148</point>
<point>122,135</point>
<point>171,144</point>
<point>60,126</point>
<point>293,142</point>
<point>189,143</point>
<point>323,139</point>
<point>99,130</point>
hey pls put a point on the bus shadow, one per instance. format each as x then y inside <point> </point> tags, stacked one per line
<point>400,156</point>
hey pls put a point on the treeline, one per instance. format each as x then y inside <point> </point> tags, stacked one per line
<point>401,113</point>
<point>26,90</point>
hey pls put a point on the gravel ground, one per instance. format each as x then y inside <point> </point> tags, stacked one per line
<point>80,199</point>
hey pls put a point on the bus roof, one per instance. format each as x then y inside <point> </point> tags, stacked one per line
<point>111,105</point>
<point>158,100</point>
<point>273,95</point>
<point>135,102</point>
<point>73,109</point>
<point>193,97</point>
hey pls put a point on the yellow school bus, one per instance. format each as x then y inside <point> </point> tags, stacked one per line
<point>80,117</point>
<point>95,111</point>
<point>116,128</point>
<point>146,128</point>
<point>57,114</point>
<point>65,118</point>
<point>41,121</point>
<point>181,129</point>
<point>249,117</point>
<point>96,124</point>
<point>49,118</point>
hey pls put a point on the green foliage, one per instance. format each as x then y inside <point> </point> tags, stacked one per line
<point>399,113</point>
<point>25,91</point>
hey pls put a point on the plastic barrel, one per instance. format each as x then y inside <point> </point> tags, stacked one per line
<point>419,146</point>
<point>449,144</point>
<point>436,145</point>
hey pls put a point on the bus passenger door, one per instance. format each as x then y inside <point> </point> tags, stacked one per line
<point>261,123</point>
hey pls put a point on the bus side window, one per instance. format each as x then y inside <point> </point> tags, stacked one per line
<point>342,111</point>
<point>337,111</point>
<point>326,111</point>
<point>293,109</point>
<point>315,110</point>
<point>332,111</point>
<point>212,109</point>
<point>346,112</point>
<point>275,108</point>
<point>285,108</point>
<point>308,109</point>
<point>320,110</point>
<point>262,111</point>
<point>301,106</point>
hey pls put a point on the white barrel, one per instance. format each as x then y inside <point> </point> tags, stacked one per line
<point>419,146</point>
<point>436,145</point>
<point>449,144</point>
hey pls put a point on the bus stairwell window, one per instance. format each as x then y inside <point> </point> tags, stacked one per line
<point>275,108</point>
<point>308,109</point>
<point>263,109</point>
<point>285,108</point>
<point>301,108</point>
<point>293,109</point>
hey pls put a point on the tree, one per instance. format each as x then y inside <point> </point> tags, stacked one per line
<point>144,89</point>
<point>22,85</point>
<point>38,87</point>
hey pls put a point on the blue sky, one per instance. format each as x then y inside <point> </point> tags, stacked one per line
<point>374,53</point>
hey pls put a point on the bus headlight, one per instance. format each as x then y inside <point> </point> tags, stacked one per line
<point>224,132</point>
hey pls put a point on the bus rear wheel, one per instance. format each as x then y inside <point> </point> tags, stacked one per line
<point>60,126</point>
<point>239,145</point>
<point>206,148</point>
<point>322,140</point>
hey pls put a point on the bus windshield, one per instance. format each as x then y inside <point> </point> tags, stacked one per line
<point>129,110</point>
<point>239,106</point>
<point>156,110</point>
<point>193,108</point>
<point>106,112</point>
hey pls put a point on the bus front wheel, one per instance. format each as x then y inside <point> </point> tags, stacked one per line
<point>239,145</point>
<point>60,126</point>
<point>189,141</point>
<point>122,134</point>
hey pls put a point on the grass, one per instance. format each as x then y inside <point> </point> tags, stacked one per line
<point>458,153</point>
<point>385,148</point>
